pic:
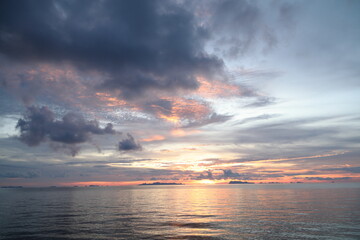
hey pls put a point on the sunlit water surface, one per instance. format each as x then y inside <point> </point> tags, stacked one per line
<point>284,211</point>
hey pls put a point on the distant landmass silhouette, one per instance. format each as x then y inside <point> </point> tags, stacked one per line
<point>160,183</point>
<point>240,182</point>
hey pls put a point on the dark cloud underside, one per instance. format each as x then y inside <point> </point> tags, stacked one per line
<point>138,45</point>
<point>129,144</point>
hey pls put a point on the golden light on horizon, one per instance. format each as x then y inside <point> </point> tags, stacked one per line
<point>206,181</point>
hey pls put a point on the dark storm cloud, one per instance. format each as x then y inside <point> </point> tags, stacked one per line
<point>39,125</point>
<point>144,52</point>
<point>129,144</point>
<point>139,46</point>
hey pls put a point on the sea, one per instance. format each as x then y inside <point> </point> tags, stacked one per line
<point>243,211</point>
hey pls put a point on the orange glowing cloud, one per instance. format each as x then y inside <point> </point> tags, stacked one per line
<point>109,100</point>
<point>153,138</point>
<point>182,109</point>
<point>70,85</point>
<point>60,82</point>
<point>181,132</point>
<point>172,118</point>
<point>216,89</point>
<point>190,149</point>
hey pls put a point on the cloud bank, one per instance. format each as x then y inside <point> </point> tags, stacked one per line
<point>139,46</point>
<point>149,57</point>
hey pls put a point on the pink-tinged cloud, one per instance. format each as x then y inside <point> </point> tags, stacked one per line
<point>217,89</point>
<point>153,138</point>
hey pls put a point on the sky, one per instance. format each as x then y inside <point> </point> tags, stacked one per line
<point>126,92</point>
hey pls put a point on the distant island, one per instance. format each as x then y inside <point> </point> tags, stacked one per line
<point>160,183</point>
<point>240,182</point>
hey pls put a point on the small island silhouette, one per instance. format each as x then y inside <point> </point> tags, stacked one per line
<point>240,182</point>
<point>161,183</point>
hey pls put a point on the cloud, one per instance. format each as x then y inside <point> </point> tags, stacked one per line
<point>344,169</point>
<point>328,178</point>
<point>208,175</point>
<point>245,174</point>
<point>145,59</point>
<point>109,169</point>
<point>178,110</point>
<point>140,47</point>
<point>260,117</point>
<point>70,149</point>
<point>129,144</point>
<point>135,56</point>
<point>241,15</point>
<point>238,27</point>
<point>250,74</point>
<point>116,161</point>
<point>28,174</point>
<point>285,131</point>
<point>213,118</point>
<point>164,179</point>
<point>228,174</point>
<point>262,102</point>
<point>153,138</point>
<point>39,125</point>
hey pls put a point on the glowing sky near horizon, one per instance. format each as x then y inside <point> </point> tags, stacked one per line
<point>124,92</point>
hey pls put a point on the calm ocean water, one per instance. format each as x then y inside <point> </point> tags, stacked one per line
<point>286,211</point>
